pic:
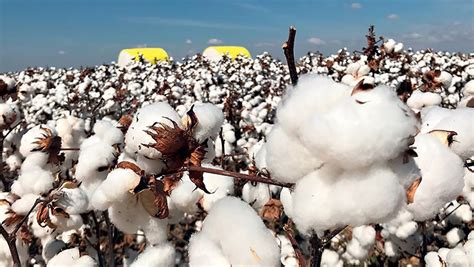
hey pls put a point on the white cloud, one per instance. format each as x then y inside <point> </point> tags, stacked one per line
<point>61,52</point>
<point>356,5</point>
<point>414,35</point>
<point>188,41</point>
<point>393,16</point>
<point>316,41</point>
<point>141,45</point>
<point>215,41</point>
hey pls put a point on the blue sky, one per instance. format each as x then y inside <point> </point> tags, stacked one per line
<point>65,33</point>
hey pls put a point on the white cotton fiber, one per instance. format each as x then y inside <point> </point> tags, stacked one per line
<point>432,259</point>
<point>330,258</point>
<point>418,100</point>
<point>160,112</point>
<point>205,252</point>
<point>33,135</point>
<point>431,116</point>
<point>286,158</point>
<point>457,258</point>
<point>36,181</point>
<point>115,188</point>
<point>91,158</point>
<point>73,200</point>
<point>363,238</point>
<point>323,201</point>
<point>249,243</point>
<point>71,257</point>
<point>23,205</point>
<point>256,195</point>
<point>156,256</point>
<point>108,133</point>
<point>210,119</point>
<point>442,177</point>
<point>156,230</point>
<point>354,135</point>
<point>461,121</point>
<point>129,215</point>
<point>220,186</point>
<point>9,115</point>
<point>313,94</point>
<point>287,201</point>
<point>185,196</point>
<point>454,236</point>
<point>150,166</point>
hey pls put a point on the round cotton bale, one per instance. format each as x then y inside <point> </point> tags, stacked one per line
<point>151,55</point>
<point>215,53</point>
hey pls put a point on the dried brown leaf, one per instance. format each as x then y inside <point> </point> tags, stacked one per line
<point>195,160</point>
<point>272,210</point>
<point>131,166</point>
<point>154,201</point>
<point>412,190</point>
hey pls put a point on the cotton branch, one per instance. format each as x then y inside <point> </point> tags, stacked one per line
<point>10,238</point>
<point>243,176</point>
<point>288,49</point>
<point>289,233</point>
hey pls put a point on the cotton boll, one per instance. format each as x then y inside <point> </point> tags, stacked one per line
<point>94,161</point>
<point>23,205</point>
<point>33,135</point>
<point>287,201</point>
<point>431,116</point>
<point>313,94</point>
<point>256,195</point>
<point>71,131</point>
<point>286,158</point>
<point>445,78</point>
<point>115,188</point>
<point>156,256</point>
<point>185,196</point>
<point>220,186</point>
<point>418,100</point>
<point>462,122</point>
<point>454,236</point>
<point>9,115</point>
<point>389,45</point>
<point>73,200</point>
<point>442,177</point>
<point>323,201</point>
<point>64,224</point>
<point>330,258</point>
<point>156,230</point>
<point>469,249</point>
<point>71,257</point>
<point>457,258</point>
<point>468,88</point>
<point>150,166</point>
<point>354,135</point>
<point>36,181</point>
<point>255,245</point>
<point>432,259</point>
<point>205,252</point>
<point>210,119</point>
<point>129,215</point>
<point>145,117</point>
<point>363,238</point>
<point>108,133</point>
<point>398,48</point>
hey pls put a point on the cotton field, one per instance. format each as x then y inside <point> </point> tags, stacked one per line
<point>367,160</point>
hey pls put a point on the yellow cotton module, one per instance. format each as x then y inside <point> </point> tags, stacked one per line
<point>216,52</point>
<point>152,55</point>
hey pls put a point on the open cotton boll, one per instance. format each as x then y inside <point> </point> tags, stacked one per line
<point>129,215</point>
<point>469,249</point>
<point>248,244</point>
<point>205,252</point>
<point>71,131</point>
<point>468,88</point>
<point>353,135</point>
<point>35,160</point>
<point>185,196</point>
<point>156,256</point>
<point>323,201</point>
<point>389,45</point>
<point>115,188</point>
<point>150,166</point>
<point>418,100</point>
<point>108,133</point>
<point>313,94</point>
<point>431,116</point>
<point>454,236</point>
<point>74,200</point>
<point>286,158</point>
<point>468,190</point>
<point>442,177</point>
<point>461,121</point>
<point>74,221</point>
<point>445,78</point>
<point>9,115</point>
<point>432,259</point>
<point>94,161</point>
<point>220,186</point>
<point>160,112</point>
<point>33,135</point>
<point>330,258</point>
<point>457,258</point>
<point>363,238</point>
<point>23,205</point>
<point>156,230</point>
<point>256,195</point>
<point>398,48</point>
<point>210,119</point>
<point>71,257</point>
<point>36,181</point>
